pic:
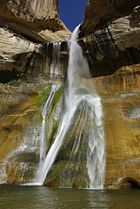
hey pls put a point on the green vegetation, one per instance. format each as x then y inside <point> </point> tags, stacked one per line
<point>15,82</point>
<point>56,99</point>
<point>43,94</point>
<point>52,135</point>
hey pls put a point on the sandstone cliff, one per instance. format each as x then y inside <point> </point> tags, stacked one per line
<point>100,13</point>
<point>111,42</point>
<point>36,20</point>
<point>24,25</point>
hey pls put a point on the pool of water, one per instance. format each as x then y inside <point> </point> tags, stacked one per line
<point>20,197</point>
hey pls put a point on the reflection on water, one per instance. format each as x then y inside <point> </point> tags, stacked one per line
<point>46,198</point>
<point>97,200</point>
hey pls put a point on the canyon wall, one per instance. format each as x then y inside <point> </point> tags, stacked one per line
<point>113,41</point>
<point>24,26</point>
<point>110,38</point>
<point>100,13</point>
<point>35,20</point>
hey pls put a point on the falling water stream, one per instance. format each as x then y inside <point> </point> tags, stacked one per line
<point>77,68</point>
<point>55,68</point>
<point>45,110</point>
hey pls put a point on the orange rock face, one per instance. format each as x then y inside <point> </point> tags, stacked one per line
<point>120,97</point>
<point>111,33</point>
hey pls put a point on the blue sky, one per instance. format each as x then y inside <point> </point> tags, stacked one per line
<point>72,12</point>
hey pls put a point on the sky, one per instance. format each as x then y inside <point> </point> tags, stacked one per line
<point>72,12</point>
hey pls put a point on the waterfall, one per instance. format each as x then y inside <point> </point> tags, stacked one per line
<point>45,110</point>
<point>55,65</point>
<point>96,149</point>
<point>78,68</point>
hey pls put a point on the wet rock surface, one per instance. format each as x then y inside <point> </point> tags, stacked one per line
<point>19,129</point>
<point>120,98</point>
<point>21,58</point>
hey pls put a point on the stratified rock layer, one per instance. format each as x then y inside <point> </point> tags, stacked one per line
<point>24,25</point>
<point>23,59</point>
<point>36,20</point>
<point>115,45</point>
<point>100,13</point>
